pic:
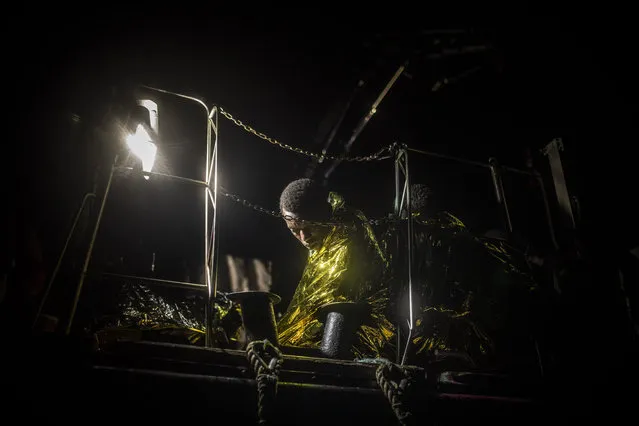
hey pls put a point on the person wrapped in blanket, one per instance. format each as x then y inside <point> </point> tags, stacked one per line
<point>472,295</point>
<point>345,264</point>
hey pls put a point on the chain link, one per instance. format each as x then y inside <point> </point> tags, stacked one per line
<point>250,205</point>
<point>273,213</point>
<point>379,155</point>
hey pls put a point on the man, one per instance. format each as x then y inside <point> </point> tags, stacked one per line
<point>470,295</point>
<point>345,264</point>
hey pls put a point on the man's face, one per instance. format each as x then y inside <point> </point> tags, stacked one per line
<point>311,236</point>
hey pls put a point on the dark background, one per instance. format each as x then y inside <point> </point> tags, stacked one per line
<point>288,74</point>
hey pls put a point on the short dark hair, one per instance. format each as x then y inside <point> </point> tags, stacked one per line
<point>419,195</point>
<point>307,199</point>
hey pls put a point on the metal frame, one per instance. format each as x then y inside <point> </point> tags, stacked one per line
<point>402,208</point>
<point>211,237</point>
<point>553,152</point>
<point>497,171</point>
<point>500,194</point>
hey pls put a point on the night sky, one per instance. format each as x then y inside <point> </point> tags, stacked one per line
<point>535,79</point>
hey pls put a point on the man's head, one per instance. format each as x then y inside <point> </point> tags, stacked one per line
<point>419,198</point>
<point>306,200</point>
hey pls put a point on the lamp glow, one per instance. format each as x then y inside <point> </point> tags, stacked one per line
<point>141,144</point>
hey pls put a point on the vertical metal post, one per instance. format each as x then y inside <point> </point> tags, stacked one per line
<point>403,209</point>
<point>553,152</point>
<point>212,255</point>
<point>398,188</point>
<point>398,215</point>
<point>87,258</point>
<point>495,171</point>
<point>409,242</point>
<point>216,255</point>
<point>208,309</point>
<point>551,227</point>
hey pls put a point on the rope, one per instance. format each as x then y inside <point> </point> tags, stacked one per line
<point>266,376</point>
<point>395,391</point>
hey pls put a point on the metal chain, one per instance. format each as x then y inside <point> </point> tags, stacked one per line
<point>250,205</point>
<point>273,213</point>
<point>379,155</point>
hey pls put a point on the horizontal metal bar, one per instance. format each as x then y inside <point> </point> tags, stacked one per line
<point>174,375</point>
<point>172,177</point>
<point>179,95</point>
<point>296,386</point>
<point>522,172</point>
<point>169,283</point>
<point>449,157</point>
<point>234,380</point>
<point>493,398</point>
<point>471,162</point>
<point>195,354</point>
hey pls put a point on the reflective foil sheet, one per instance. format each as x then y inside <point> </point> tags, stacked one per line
<point>472,295</point>
<point>145,311</point>
<point>349,266</point>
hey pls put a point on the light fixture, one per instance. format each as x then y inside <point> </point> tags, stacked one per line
<point>141,145</point>
<point>141,142</point>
